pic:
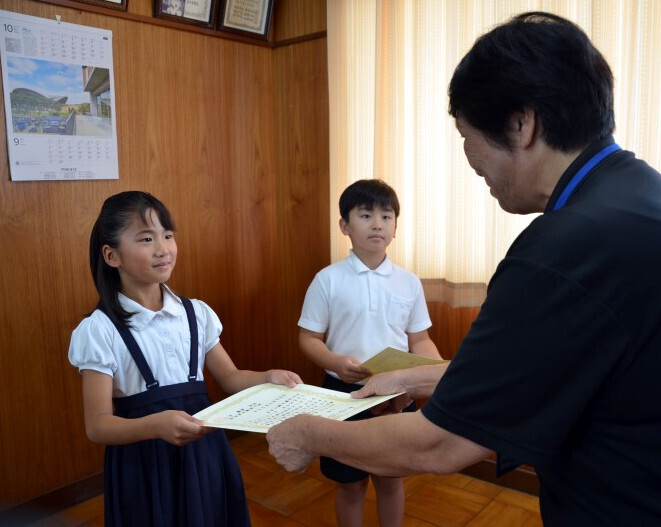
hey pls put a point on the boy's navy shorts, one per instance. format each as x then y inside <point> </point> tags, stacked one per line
<point>334,470</point>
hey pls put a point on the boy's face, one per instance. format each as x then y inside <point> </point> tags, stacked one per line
<point>371,229</point>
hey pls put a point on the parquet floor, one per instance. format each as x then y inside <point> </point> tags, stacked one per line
<point>280,499</point>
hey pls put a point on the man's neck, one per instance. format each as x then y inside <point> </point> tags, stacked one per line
<point>548,165</point>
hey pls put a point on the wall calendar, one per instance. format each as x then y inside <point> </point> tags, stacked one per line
<point>59,99</point>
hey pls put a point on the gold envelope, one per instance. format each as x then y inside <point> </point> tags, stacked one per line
<point>393,359</point>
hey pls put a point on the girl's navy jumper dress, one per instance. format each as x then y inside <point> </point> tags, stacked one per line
<point>198,484</point>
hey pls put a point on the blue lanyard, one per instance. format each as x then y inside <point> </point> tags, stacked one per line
<point>580,175</point>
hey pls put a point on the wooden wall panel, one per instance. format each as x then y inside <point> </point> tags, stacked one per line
<point>141,7</point>
<point>199,122</point>
<point>297,18</point>
<point>302,151</point>
<point>449,326</point>
<point>234,139</point>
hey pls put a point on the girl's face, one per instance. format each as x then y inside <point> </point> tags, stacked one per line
<point>146,254</point>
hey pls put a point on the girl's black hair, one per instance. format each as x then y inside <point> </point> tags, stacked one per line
<point>117,213</point>
<point>368,193</point>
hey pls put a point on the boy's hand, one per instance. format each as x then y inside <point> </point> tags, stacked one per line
<point>284,377</point>
<point>350,371</point>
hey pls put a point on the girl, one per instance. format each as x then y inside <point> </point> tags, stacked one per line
<point>141,354</point>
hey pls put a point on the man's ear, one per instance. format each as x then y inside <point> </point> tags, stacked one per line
<point>523,126</point>
<point>110,256</point>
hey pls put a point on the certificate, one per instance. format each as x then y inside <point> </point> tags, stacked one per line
<point>197,12</point>
<point>250,17</point>
<point>259,408</point>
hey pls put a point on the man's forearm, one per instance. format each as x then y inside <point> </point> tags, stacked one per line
<point>422,380</point>
<point>394,445</point>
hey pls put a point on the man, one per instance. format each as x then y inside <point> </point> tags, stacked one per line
<point>560,368</point>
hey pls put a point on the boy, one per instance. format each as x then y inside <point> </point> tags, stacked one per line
<point>353,309</point>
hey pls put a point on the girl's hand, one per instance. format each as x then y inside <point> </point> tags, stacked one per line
<point>284,377</point>
<point>178,428</point>
<point>350,371</point>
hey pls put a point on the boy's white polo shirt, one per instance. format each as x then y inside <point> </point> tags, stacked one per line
<point>362,311</point>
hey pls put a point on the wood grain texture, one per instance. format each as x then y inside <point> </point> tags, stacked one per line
<point>234,139</point>
<point>302,154</point>
<point>276,498</point>
<point>297,18</point>
<point>199,124</point>
<point>449,326</point>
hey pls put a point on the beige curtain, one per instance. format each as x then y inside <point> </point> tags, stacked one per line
<point>390,62</point>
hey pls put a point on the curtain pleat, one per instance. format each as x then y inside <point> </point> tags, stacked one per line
<point>390,62</point>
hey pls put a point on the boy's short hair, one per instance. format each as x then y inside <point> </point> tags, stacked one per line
<point>368,193</point>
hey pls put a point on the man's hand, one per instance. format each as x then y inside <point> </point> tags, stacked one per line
<point>287,443</point>
<point>386,384</point>
<point>417,383</point>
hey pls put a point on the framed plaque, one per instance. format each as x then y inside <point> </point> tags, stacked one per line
<point>251,18</point>
<point>121,5</point>
<point>197,12</point>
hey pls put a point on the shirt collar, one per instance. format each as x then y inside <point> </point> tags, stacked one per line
<point>384,269</point>
<point>575,166</point>
<point>142,316</point>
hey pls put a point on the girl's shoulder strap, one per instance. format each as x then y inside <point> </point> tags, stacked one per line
<point>192,325</point>
<point>138,356</point>
<point>134,350</point>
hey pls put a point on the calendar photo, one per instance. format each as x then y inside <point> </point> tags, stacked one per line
<point>59,99</point>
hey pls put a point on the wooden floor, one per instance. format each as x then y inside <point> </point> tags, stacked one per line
<point>280,499</point>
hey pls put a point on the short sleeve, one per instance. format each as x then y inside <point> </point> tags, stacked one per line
<point>315,311</point>
<point>91,345</point>
<point>209,324</point>
<point>420,319</point>
<point>530,365</point>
